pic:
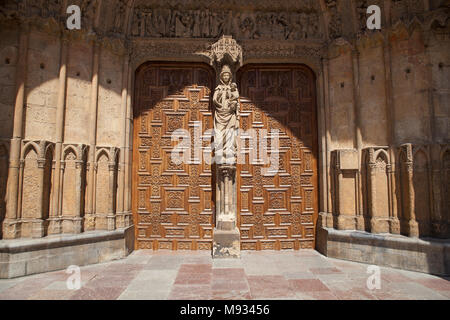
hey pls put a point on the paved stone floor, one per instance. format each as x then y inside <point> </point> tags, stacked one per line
<point>257,275</point>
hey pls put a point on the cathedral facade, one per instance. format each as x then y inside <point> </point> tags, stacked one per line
<point>90,119</point>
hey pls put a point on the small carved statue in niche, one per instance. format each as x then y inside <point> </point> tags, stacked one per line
<point>226,117</point>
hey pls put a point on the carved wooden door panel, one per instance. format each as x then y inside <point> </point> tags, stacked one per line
<point>278,210</point>
<point>172,202</point>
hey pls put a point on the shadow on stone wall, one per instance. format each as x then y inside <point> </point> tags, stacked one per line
<point>4,161</point>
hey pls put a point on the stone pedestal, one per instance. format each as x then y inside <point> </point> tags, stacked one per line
<point>226,236</point>
<point>227,243</point>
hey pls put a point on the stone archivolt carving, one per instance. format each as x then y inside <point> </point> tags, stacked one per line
<point>405,10</point>
<point>361,13</point>
<point>119,17</point>
<point>206,22</point>
<point>335,21</point>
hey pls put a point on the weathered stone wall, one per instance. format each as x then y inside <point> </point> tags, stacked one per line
<point>8,62</point>
<point>372,107</point>
<point>79,75</point>
<point>41,86</point>
<point>342,117</point>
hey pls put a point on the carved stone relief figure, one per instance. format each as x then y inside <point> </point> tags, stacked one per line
<point>206,23</point>
<point>226,117</point>
<point>335,23</point>
<point>405,10</point>
<point>51,8</point>
<point>88,12</point>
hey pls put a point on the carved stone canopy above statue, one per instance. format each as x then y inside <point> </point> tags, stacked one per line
<point>226,51</point>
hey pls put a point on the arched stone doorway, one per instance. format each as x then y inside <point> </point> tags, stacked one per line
<point>173,204</point>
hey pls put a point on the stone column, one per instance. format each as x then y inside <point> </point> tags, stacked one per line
<point>77,223</point>
<point>54,219</point>
<point>37,230</point>
<point>413,227</point>
<point>128,153</point>
<point>111,217</point>
<point>372,192</point>
<point>358,139</point>
<point>394,223</point>
<point>327,171</point>
<point>227,211</point>
<point>339,216</point>
<point>121,167</point>
<point>438,222</point>
<point>408,221</point>
<point>322,144</point>
<point>20,186</point>
<point>90,212</point>
<point>11,226</point>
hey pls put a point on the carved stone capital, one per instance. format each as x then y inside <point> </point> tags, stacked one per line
<point>227,170</point>
<point>111,166</point>
<point>41,163</point>
<point>79,164</point>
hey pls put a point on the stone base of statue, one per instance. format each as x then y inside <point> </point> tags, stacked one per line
<point>226,236</point>
<point>226,243</point>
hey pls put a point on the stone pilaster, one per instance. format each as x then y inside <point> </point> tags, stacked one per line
<point>120,221</point>
<point>93,109</point>
<point>394,221</point>
<point>11,225</point>
<point>111,217</point>
<point>54,223</point>
<point>409,213</point>
<point>347,210</point>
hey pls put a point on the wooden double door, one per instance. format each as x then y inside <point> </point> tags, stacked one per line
<point>173,201</point>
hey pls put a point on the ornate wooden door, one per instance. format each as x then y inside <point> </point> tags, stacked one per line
<point>278,210</point>
<point>172,203</point>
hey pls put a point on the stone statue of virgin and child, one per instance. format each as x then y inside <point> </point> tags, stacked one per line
<point>226,118</point>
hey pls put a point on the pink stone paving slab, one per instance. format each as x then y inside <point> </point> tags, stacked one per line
<point>231,295</point>
<point>26,288</point>
<point>262,287</point>
<point>394,277</point>
<point>354,294</point>
<point>307,285</point>
<point>110,280</point>
<point>436,284</point>
<point>195,268</point>
<point>193,278</point>
<point>224,284</point>
<point>98,293</point>
<point>228,273</point>
<point>325,270</point>
<point>316,295</point>
<point>303,276</point>
<point>192,292</point>
<point>52,295</point>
